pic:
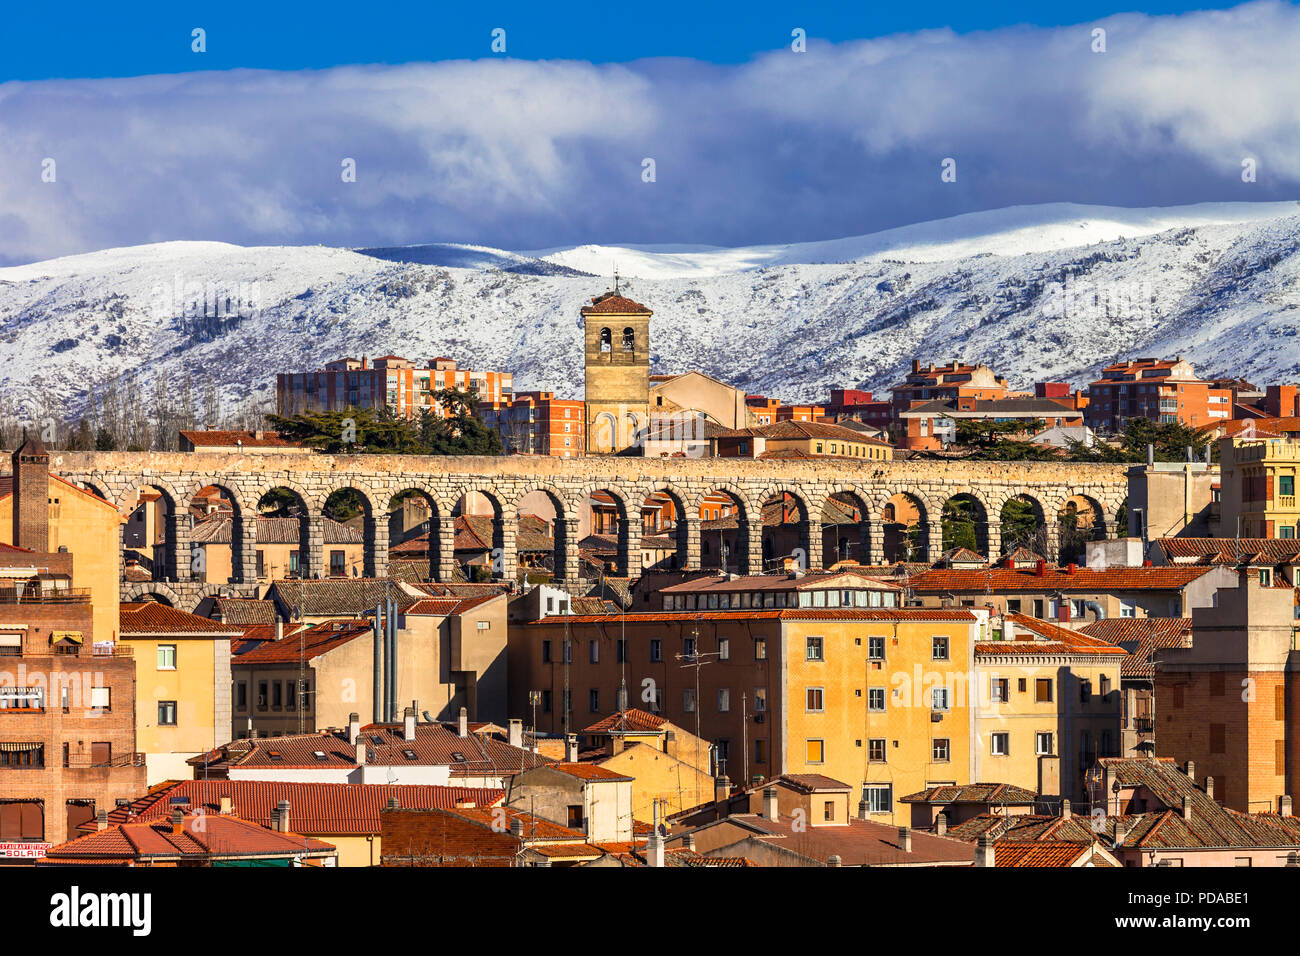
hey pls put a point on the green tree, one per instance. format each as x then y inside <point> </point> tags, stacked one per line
<point>1020,524</point>
<point>959,522</point>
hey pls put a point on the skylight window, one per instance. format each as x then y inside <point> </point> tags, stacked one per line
<point>458,757</point>
<point>318,754</point>
<point>409,753</point>
<point>275,755</point>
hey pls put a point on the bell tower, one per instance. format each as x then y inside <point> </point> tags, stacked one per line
<point>616,343</point>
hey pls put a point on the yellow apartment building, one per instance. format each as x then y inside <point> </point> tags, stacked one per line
<point>1258,487</point>
<point>182,684</point>
<point>668,764</point>
<point>1048,705</point>
<point>88,526</point>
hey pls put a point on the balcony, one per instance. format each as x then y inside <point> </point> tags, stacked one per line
<point>1144,725</point>
<point>39,596</point>
<point>84,761</point>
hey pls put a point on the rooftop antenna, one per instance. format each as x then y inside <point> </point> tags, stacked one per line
<point>616,277</point>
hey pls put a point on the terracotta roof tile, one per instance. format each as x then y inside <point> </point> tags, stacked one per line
<point>998,580</point>
<point>1142,637</point>
<point>148,618</point>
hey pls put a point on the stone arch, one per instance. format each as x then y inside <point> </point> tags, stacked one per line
<point>683,520</point>
<point>604,523</point>
<point>413,531</point>
<point>964,517</point>
<point>149,590</point>
<point>1024,521</point>
<point>276,555</point>
<point>904,525</point>
<point>374,537</point>
<point>562,527</point>
<point>243,533</point>
<point>782,537</point>
<point>844,539</point>
<point>733,540</point>
<point>602,434</point>
<point>157,536</point>
<point>1080,518</point>
<point>498,560</point>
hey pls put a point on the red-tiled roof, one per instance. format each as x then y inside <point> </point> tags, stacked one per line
<point>790,614</point>
<point>992,793</point>
<point>589,771</point>
<point>231,439</point>
<point>200,837</point>
<point>151,618</point>
<point>315,809</point>
<point>1144,635</point>
<point>627,721</point>
<point>1232,550</point>
<point>446,607</point>
<point>610,303</point>
<point>306,644</point>
<point>1046,853</point>
<point>997,580</point>
<point>859,843</point>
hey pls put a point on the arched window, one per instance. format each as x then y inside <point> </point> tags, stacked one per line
<point>629,340</point>
<point>605,340</point>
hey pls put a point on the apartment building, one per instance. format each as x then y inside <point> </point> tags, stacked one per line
<point>1160,390</point>
<point>791,438</point>
<point>877,697</point>
<point>858,405</point>
<point>946,383</point>
<point>1228,702</point>
<point>931,425</point>
<point>538,423</point>
<point>392,382</point>
<point>1258,487</point>
<point>67,702</point>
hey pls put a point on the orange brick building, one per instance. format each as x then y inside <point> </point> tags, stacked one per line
<point>392,382</point>
<point>538,423</point>
<point>1227,703</point>
<point>1156,389</point>
<point>948,383</point>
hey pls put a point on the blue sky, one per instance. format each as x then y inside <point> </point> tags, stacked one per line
<point>134,39</point>
<point>116,134</point>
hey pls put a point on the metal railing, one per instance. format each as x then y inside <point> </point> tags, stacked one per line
<point>39,596</point>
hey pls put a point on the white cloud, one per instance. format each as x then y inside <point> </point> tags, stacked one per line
<point>840,140</point>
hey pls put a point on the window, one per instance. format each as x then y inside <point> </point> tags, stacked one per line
<point>1105,685</point>
<point>879,797</point>
<point>629,340</point>
<point>760,751</point>
<point>241,695</point>
<point>876,749</point>
<point>166,713</point>
<point>815,751</point>
<point>940,749</point>
<point>875,698</point>
<point>939,648</point>
<point>1043,690</point>
<point>814,700</point>
<point>22,756</point>
<point>828,810</point>
<point>575,816</point>
<point>546,652</point>
<point>593,700</point>
<point>760,649</point>
<point>656,650</point>
<point>999,744</point>
<point>1218,738</point>
<point>167,657</point>
<point>875,648</point>
<point>622,650</point>
<point>939,698</point>
<point>1085,691</point>
<point>760,700</point>
<point>688,648</point>
<point>1286,484</point>
<point>593,651</point>
<point>547,701</point>
<point>101,699</point>
<point>688,700</point>
<point>1265,577</point>
<point>337,569</point>
<point>724,700</point>
<point>277,694</point>
<point>724,648</point>
<point>261,563</point>
<point>294,558</point>
<point>606,340</point>
<point>567,646</point>
<point>999,689</point>
<point>261,695</point>
<point>814,651</point>
<point>1043,743</point>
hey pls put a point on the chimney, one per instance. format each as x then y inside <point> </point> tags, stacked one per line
<point>462,727</point>
<point>354,727</point>
<point>392,804</point>
<point>941,824</point>
<point>905,839</point>
<point>833,860</point>
<point>517,828</point>
<point>408,724</point>
<point>1209,787</point>
<point>863,812</point>
<point>571,748</point>
<point>688,842</point>
<point>279,629</point>
<point>31,489</point>
<point>770,811</point>
<point>282,816</point>
<point>1187,808</point>
<point>515,735</point>
<point>101,820</point>
<point>361,753</point>
<point>178,820</point>
<point>1284,805</point>
<point>1121,832</point>
<point>984,851</point>
<point>1065,810</point>
<point>916,366</point>
<point>654,846</point>
<point>721,794</point>
<point>1191,769</point>
<point>226,804</point>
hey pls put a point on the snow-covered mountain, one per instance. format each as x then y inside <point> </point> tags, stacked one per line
<point>1038,292</point>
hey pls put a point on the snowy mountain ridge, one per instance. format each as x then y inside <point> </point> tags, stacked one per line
<point>1037,292</point>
